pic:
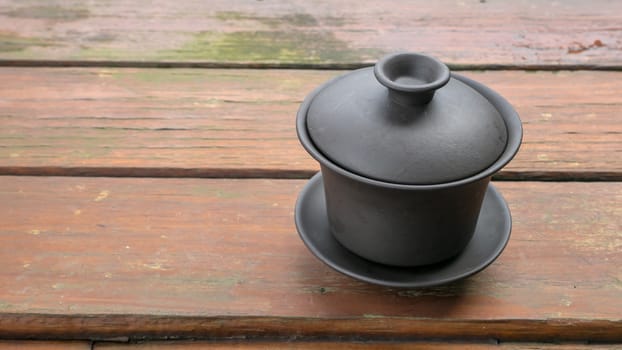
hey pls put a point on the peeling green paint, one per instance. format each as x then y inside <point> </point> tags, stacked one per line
<point>12,43</point>
<point>297,39</point>
<point>373,316</point>
<point>160,76</point>
<point>232,16</point>
<point>58,286</point>
<point>319,290</point>
<point>295,19</point>
<point>209,191</point>
<point>269,46</point>
<point>102,38</point>
<point>104,53</point>
<point>93,147</point>
<point>227,281</point>
<point>50,12</point>
<point>334,21</point>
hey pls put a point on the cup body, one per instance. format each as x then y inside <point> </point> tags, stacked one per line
<point>401,227</point>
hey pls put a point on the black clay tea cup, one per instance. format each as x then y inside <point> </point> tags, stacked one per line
<point>406,151</point>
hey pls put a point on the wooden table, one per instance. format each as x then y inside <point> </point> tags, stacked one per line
<point>150,168</point>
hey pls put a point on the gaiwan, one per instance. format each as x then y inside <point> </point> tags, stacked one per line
<point>406,151</point>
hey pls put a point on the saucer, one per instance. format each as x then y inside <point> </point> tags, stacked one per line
<point>491,235</point>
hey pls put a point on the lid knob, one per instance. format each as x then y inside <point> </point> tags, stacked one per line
<point>411,78</point>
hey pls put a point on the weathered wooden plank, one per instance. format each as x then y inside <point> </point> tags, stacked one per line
<point>43,345</point>
<point>193,122</point>
<point>355,345</point>
<point>101,257</point>
<point>462,33</point>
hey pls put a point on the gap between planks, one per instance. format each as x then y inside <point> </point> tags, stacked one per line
<point>291,344</point>
<point>134,328</point>
<point>27,63</point>
<point>346,345</point>
<point>288,174</point>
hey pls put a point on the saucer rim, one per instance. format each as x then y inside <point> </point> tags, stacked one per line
<point>492,194</point>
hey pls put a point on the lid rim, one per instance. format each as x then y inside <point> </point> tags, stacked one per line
<point>503,107</point>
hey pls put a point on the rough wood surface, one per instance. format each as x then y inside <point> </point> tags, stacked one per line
<point>101,257</point>
<point>294,345</point>
<point>194,122</point>
<point>517,33</point>
<point>43,345</point>
<point>283,345</point>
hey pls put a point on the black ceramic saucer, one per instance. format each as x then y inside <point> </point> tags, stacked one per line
<point>491,236</point>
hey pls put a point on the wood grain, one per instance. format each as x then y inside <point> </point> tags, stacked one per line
<point>101,257</point>
<point>354,345</point>
<point>240,123</point>
<point>43,345</point>
<point>463,33</point>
